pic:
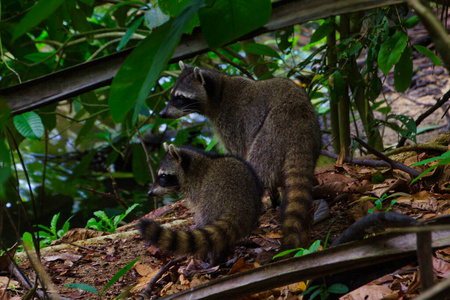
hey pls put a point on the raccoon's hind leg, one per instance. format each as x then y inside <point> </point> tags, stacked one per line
<point>274,195</point>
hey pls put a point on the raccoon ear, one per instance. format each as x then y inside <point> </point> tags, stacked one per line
<point>182,65</point>
<point>166,147</point>
<point>174,153</point>
<point>199,74</point>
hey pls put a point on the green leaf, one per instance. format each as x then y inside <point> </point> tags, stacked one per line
<point>261,49</point>
<point>82,286</point>
<point>228,20</point>
<point>120,273</point>
<point>54,222</point>
<point>315,246</point>
<point>129,33</point>
<point>411,22</point>
<point>155,18</point>
<point>403,71</point>
<point>338,288</point>
<point>41,11</point>
<point>141,69</point>
<point>428,53</point>
<point>321,32</point>
<point>29,125</point>
<point>391,51</point>
<point>139,164</point>
<point>102,215</point>
<point>286,252</point>
<point>123,216</point>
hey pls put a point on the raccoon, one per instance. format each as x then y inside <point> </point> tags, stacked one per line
<point>271,124</point>
<point>223,191</point>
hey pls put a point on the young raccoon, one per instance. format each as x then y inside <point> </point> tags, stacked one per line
<point>270,123</point>
<point>223,191</point>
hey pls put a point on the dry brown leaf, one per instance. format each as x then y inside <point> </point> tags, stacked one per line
<point>7,282</point>
<point>144,269</point>
<point>360,209</point>
<point>368,292</point>
<point>440,267</point>
<point>444,254</point>
<point>240,266</point>
<point>69,256</point>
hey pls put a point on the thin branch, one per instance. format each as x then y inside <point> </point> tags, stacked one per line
<point>146,293</point>
<point>225,59</point>
<point>356,161</point>
<point>431,110</point>
<point>395,164</point>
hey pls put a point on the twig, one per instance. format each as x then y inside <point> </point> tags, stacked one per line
<point>431,110</point>
<point>394,164</point>
<point>152,172</point>
<point>109,195</point>
<point>416,148</point>
<point>146,153</point>
<point>224,58</point>
<point>146,293</point>
<point>356,161</point>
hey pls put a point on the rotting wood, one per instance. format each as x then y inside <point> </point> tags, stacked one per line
<point>100,72</point>
<point>382,248</point>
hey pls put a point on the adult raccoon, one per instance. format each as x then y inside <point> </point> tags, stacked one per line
<point>223,191</point>
<point>271,124</point>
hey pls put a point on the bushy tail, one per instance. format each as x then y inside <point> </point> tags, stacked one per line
<point>216,238</point>
<point>298,214</point>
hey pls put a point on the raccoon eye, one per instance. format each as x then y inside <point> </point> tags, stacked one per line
<point>165,180</point>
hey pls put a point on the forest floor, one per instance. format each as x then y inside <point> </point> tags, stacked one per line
<point>95,261</point>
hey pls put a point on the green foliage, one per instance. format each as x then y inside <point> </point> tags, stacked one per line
<point>379,201</point>
<point>324,292</point>
<point>237,18</point>
<point>90,288</point>
<point>442,160</point>
<point>52,233</point>
<point>300,251</point>
<point>391,51</point>
<point>29,125</point>
<point>105,223</point>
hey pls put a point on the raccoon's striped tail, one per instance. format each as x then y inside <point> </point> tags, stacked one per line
<point>217,237</point>
<point>298,214</point>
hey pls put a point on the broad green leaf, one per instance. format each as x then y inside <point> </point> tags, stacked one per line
<point>321,32</point>
<point>403,71</point>
<point>155,18</point>
<point>41,11</point>
<point>315,246</point>
<point>425,161</point>
<point>139,164</point>
<point>82,286</point>
<point>141,69</point>
<point>428,53</point>
<point>411,129</point>
<point>261,49</point>
<point>29,125</point>
<point>121,273</point>
<point>129,33</point>
<point>228,20</point>
<point>411,22</point>
<point>338,288</point>
<point>391,51</point>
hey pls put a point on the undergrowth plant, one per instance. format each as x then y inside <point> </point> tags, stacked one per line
<point>90,288</point>
<point>52,233</point>
<point>324,292</point>
<point>105,223</point>
<point>443,160</point>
